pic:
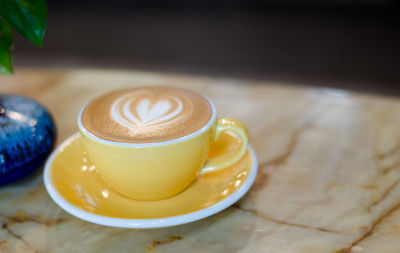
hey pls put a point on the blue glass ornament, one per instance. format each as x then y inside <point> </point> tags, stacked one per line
<point>27,136</point>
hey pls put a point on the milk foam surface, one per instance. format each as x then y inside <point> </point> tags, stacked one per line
<point>146,115</point>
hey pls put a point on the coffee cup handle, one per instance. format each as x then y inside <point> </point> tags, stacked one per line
<point>230,158</point>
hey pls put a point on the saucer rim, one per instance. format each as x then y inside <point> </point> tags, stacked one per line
<point>150,222</point>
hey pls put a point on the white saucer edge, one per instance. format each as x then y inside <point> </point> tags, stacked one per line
<point>144,223</point>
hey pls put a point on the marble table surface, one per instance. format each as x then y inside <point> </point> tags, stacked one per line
<point>329,174</point>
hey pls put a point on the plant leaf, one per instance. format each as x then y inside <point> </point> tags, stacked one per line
<point>28,17</point>
<point>6,46</point>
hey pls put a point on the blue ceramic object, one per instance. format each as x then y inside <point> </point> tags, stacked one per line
<point>27,135</point>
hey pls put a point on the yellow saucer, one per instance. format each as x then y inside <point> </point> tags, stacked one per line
<point>75,185</point>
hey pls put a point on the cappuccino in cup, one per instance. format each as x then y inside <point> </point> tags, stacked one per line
<point>150,143</point>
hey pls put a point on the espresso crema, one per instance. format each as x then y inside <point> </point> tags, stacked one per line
<point>146,114</point>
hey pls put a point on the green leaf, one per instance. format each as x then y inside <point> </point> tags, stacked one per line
<point>28,17</point>
<point>6,45</point>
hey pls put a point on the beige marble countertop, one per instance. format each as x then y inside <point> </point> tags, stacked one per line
<point>328,178</point>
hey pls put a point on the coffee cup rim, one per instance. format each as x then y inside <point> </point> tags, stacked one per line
<point>203,129</point>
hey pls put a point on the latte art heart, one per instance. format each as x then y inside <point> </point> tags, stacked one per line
<point>146,114</point>
<point>133,114</point>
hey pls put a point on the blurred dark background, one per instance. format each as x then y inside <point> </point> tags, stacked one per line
<point>348,44</point>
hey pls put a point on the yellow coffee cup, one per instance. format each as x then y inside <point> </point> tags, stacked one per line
<point>158,170</point>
